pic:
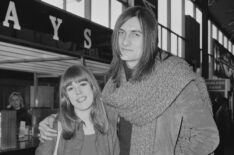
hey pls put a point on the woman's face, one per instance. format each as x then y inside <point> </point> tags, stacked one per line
<point>131,42</point>
<point>15,102</point>
<point>80,95</point>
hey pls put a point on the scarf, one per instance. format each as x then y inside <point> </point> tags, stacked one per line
<point>141,102</point>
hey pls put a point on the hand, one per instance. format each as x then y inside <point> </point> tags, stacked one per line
<point>46,128</point>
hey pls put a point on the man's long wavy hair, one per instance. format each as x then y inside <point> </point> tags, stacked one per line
<point>69,120</point>
<point>149,28</point>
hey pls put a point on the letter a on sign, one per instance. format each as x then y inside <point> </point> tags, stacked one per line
<point>12,15</point>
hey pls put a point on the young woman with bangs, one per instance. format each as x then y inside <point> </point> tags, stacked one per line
<point>82,123</point>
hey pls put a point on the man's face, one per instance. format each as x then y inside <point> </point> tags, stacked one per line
<point>131,42</point>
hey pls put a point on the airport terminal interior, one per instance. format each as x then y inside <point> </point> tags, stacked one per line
<point>40,39</point>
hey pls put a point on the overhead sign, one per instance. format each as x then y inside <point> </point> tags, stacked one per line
<point>215,85</point>
<point>218,85</point>
<point>37,24</point>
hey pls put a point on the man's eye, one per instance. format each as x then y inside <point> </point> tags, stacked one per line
<point>121,32</point>
<point>137,34</point>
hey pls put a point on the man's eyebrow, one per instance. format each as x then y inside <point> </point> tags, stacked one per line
<point>137,31</point>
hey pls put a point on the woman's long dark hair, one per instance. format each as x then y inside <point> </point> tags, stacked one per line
<point>149,28</point>
<point>69,120</point>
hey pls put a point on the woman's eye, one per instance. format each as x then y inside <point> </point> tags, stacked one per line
<point>83,83</point>
<point>69,88</point>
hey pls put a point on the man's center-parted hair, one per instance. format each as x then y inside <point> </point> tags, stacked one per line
<point>149,26</point>
<point>67,114</point>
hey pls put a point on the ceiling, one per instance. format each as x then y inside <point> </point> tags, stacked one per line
<point>44,63</point>
<point>223,12</point>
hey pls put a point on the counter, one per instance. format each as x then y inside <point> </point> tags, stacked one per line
<point>27,146</point>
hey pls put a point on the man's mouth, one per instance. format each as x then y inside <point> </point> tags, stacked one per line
<point>126,50</point>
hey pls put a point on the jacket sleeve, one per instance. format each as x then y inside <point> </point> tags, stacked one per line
<point>47,147</point>
<point>198,134</point>
<point>111,112</point>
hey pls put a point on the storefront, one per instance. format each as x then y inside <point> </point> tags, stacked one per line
<point>222,67</point>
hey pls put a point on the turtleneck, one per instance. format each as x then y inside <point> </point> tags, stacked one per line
<point>124,126</point>
<point>128,72</point>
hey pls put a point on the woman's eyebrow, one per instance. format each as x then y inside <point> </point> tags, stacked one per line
<point>81,80</point>
<point>68,84</point>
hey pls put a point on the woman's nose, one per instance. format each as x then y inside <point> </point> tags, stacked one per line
<point>78,90</point>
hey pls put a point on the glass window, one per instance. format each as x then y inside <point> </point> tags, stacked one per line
<point>232,49</point>
<point>229,46</point>
<point>76,7</point>
<point>164,39</point>
<point>174,41</point>
<point>220,37</point>
<point>176,16</point>
<point>189,8</point>
<point>159,36</point>
<point>162,12</point>
<point>180,47</point>
<point>209,37</point>
<point>225,42</point>
<point>199,20</point>
<point>214,32</point>
<point>57,3</point>
<point>162,19</point>
<point>116,10</point>
<point>209,41</point>
<point>100,12</point>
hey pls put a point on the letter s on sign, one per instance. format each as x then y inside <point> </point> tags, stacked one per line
<point>87,37</point>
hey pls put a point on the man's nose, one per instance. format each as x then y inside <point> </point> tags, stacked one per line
<point>126,39</point>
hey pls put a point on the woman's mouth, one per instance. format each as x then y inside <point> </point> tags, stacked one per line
<point>81,99</point>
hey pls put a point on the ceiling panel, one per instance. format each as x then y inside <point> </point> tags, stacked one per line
<point>223,12</point>
<point>44,63</point>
